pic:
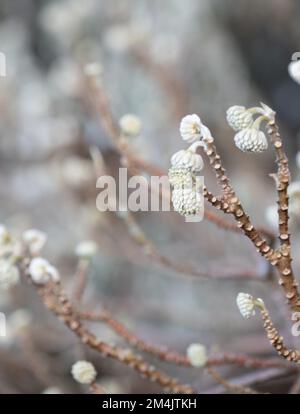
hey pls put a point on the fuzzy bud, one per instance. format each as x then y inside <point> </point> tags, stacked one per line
<point>130,125</point>
<point>187,159</point>
<point>84,372</point>
<point>180,177</point>
<point>294,70</point>
<point>239,118</point>
<point>190,128</point>
<point>42,272</point>
<point>251,140</point>
<point>246,304</point>
<point>86,249</point>
<point>187,201</point>
<point>197,355</point>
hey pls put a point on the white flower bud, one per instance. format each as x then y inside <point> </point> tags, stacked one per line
<point>84,372</point>
<point>246,304</point>
<point>251,140</point>
<point>130,125</point>
<point>42,272</point>
<point>35,240</point>
<point>197,355</point>
<point>86,249</point>
<point>190,128</point>
<point>187,201</point>
<point>9,274</point>
<point>239,118</point>
<point>180,177</point>
<point>187,159</point>
<point>294,70</point>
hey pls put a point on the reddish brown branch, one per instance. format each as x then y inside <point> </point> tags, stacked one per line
<point>55,299</point>
<point>230,204</point>
<point>276,340</point>
<point>185,269</point>
<point>232,388</point>
<point>284,260</point>
<point>80,280</point>
<point>175,357</point>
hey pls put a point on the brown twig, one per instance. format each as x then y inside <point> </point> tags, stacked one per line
<point>232,388</point>
<point>284,263</point>
<point>149,248</point>
<point>55,299</point>
<point>175,357</point>
<point>276,340</point>
<point>80,280</point>
<point>279,258</point>
<point>230,204</point>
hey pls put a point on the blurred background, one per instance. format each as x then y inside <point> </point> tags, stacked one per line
<point>160,61</point>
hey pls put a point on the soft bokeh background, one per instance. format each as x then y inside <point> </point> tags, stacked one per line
<point>160,61</point>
